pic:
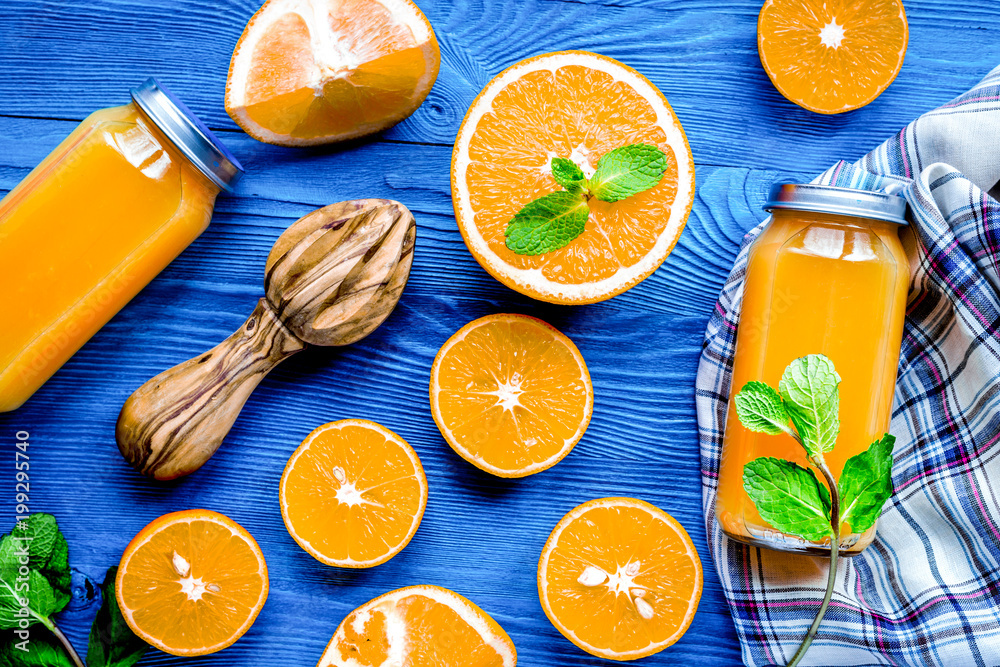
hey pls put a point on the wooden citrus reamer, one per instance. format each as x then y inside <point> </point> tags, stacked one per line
<point>331,278</point>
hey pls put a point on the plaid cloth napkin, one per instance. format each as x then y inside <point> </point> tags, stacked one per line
<point>927,591</point>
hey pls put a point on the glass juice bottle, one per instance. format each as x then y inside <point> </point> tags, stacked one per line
<point>91,225</point>
<point>828,275</point>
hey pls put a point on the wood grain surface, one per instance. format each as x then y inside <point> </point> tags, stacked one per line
<point>481,535</point>
<point>331,279</point>
<point>178,418</point>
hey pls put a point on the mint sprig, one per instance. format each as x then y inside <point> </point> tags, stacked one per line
<point>809,389</point>
<point>568,174</point>
<point>548,222</point>
<point>760,409</point>
<point>790,497</point>
<point>866,483</point>
<point>46,586</point>
<point>552,221</point>
<point>35,598</point>
<point>627,171</point>
<point>40,651</point>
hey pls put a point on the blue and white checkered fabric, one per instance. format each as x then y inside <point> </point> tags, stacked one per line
<point>927,591</point>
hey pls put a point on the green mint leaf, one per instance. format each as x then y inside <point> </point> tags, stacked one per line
<point>37,543</point>
<point>9,602</point>
<point>43,599</point>
<point>41,649</point>
<point>866,483</point>
<point>760,409</point>
<point>548,223</point>
<point>626,171</point>
<point>48,553</point>
<point>809,387</point>
<point>29,598</point>
<point>112,642</point>
<point>789,497</point>
<point>568,174</point>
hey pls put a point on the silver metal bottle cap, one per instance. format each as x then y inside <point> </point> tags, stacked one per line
<point>839,201</point>
<point>188,133</point>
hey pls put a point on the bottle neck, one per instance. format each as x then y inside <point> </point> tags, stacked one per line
<point>834,220</point>
<point>187,133</point>
<point>178,152</point>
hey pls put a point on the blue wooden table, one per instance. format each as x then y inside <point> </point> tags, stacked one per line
<point>481,535</point>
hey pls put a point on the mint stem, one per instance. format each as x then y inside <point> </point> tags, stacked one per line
<point>74,656</point>
<point>834,557</point>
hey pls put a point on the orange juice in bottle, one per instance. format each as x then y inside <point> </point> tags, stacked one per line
<point>91,225</point>
<point>828,275</point>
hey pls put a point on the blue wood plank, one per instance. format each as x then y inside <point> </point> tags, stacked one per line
<point>481,535</point>
<point>701,53</point>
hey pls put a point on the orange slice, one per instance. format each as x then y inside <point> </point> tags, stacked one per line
<point>308,72</point>
<point>831,56</point>
<point>575,105</point>
<point>620,578</point>
<point>419,626</point>
<point>191,582</point>
<point>353,494</point>
<point>511,394</point>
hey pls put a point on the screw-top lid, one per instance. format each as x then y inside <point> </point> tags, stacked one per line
<point>839,201</point>
<point>188,133</point>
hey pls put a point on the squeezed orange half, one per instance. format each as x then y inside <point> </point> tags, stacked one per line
<point>419,626</point>
<point>309,72</point>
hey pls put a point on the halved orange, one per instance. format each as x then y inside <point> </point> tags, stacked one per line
<point>831,56</point>
<point>511,394</point>
<point>575,105</point>
<point>191,582</point>
<point>620,578</point>
<point>308,72</point>
<point>419,626</point>
<point>353,494</point>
